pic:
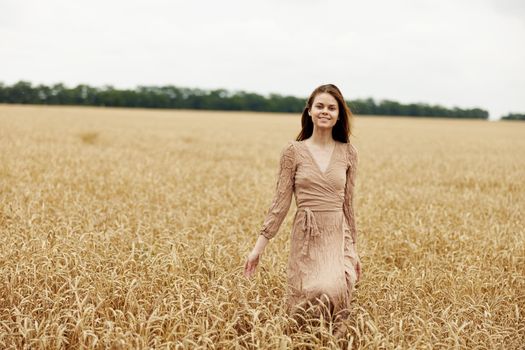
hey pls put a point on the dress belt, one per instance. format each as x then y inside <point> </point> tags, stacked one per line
<point>310,226</point>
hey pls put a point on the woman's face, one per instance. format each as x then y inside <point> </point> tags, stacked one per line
<point>324,111</point>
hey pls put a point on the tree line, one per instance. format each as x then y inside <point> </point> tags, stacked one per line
<point>23,92</point>
<point>513,116</point>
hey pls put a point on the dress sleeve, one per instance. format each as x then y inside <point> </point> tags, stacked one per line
<point>348,204</point>
<point>283,192</point>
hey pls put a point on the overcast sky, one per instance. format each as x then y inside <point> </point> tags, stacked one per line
<point>465,53</point>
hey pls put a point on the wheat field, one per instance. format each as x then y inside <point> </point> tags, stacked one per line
<point>129,228</point>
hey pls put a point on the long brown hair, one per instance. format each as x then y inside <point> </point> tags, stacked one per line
<point>342,128</point>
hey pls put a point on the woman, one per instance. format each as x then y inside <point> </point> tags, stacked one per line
<point>320,168</point>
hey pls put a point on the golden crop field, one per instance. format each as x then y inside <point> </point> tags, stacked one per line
<point>129,228</point>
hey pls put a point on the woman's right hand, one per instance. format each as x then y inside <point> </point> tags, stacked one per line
<point>251,263</point>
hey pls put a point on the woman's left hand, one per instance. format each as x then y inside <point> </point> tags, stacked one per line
<point>358,269</point>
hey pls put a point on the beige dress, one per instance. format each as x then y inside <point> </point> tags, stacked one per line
<point>321,264</point>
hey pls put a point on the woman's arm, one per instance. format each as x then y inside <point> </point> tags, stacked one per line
<point>253,258</point>
<point>348,204</point>
<point>279,207</point>
<point>283,193</point>
<point>350,234</point>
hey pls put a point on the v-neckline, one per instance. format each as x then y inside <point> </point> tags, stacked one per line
<point>323,173</point>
